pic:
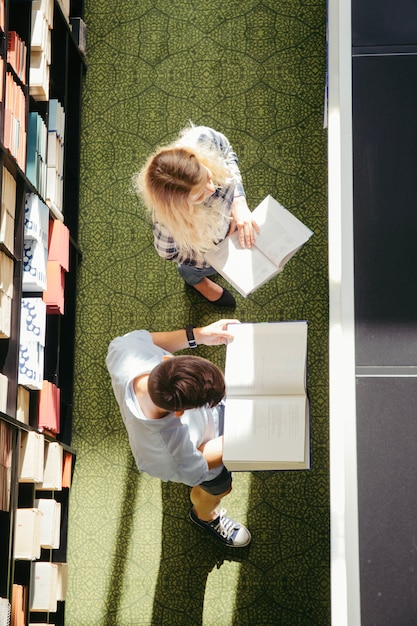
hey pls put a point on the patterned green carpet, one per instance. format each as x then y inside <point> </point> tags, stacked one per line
<point>253,70</point>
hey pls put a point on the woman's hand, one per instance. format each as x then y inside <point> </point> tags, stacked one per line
<point>242,222</point>
<point>214,334</point>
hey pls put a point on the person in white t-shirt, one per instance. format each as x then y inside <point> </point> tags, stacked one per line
<point>172,408</point>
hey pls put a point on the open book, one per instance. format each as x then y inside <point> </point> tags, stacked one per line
<point>281,235</point>
<point>266,419</point>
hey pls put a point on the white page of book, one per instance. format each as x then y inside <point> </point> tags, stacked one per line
<point>265,429</point>
<point>245,270</point>
<point>281,233</point>
<point>266,359</point>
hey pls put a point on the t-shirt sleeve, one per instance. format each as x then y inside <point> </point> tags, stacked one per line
<point>129,356</point>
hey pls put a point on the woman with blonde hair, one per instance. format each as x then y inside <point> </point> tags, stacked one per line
<point>193,189</point>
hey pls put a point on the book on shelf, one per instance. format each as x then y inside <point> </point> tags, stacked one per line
<point>32,320</point>
<point>6,274</point>
<point>58,247</point>
<point>14,132</point>
<point>6,294</point>
<point>44,587</point>
<point>16,54</point>
<point>32,342</point>
<point>8,209</point>
<point>31,457</point>
<point>281,236</point>
<point>50,522</point>
<point>54,295</point>
<point>19,604</point>
<point>5,315</point>
<point>267,417</point>
<point>67,470</point>
<point>4,385</point>
<point>35,266</point>
<point>46,9</point>
<point>62,581</point>
<point>53,463</point>
<point>27,535</point>
<point>37,152</point>
<point>23,404</point>
<point>6,455</point>
<point>31,365</point>
<point>49,407</point>
<point>36,220</point>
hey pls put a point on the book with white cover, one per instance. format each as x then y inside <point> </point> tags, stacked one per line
<point>50,523</point>
<point>27,538</point>
<point>44,587</point>
<point>31,457</point>
<point>52,474</point>
<point>267,419</point>
<point>281,236</point>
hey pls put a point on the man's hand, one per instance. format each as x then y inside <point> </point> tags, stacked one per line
<point>242,222</point>
<point>215,334</point>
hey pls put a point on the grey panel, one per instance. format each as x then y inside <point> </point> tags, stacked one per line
<point>387,488</point>
<point>379,22</point>
<point>385,209</point>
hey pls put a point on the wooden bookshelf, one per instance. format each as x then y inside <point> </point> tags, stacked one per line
<point>41,76</point>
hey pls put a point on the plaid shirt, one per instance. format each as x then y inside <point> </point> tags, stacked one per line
<point>222,198</point>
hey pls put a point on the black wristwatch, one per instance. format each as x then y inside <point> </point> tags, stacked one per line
<point>190,336</point>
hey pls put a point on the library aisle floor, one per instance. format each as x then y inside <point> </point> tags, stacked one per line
<point>255,71</point>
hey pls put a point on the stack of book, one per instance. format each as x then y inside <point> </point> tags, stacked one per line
<point>7,210</point>
<point>40,48</point>
<point>31,457</point>
<point>4,386</point>
<point>32,342</point>
<point>6,294</point>
<point>49,407</point>
<point>16,54</point>
<point>6,441</point>
<point>58,265</point>
<point>67,470</point>
<point>50,522</point>
<point>37,152</point>
<point>23,403</point>
<point>19,605</point>
<point>14,133</point>
<point>52,468</point>
<point>48,586</point>
<point>27,534</point>
<point>55,157</point>
<point>35,249</point>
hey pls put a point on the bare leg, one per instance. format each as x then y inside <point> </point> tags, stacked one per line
<point>205,504</point>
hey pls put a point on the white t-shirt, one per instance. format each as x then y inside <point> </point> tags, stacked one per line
<point>167,447</point>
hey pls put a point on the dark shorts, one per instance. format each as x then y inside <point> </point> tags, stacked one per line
<point>218,485</point>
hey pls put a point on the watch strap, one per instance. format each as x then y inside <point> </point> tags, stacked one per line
<point>190,336</point>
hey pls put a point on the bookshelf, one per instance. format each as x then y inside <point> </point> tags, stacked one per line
<point>42,67</point>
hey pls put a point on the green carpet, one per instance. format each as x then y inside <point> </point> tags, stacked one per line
<point>255,71</point>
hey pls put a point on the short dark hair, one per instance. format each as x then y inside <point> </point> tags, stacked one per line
<point>186,382</point>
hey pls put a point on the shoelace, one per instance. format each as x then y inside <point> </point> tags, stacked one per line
<point>225,526</point>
